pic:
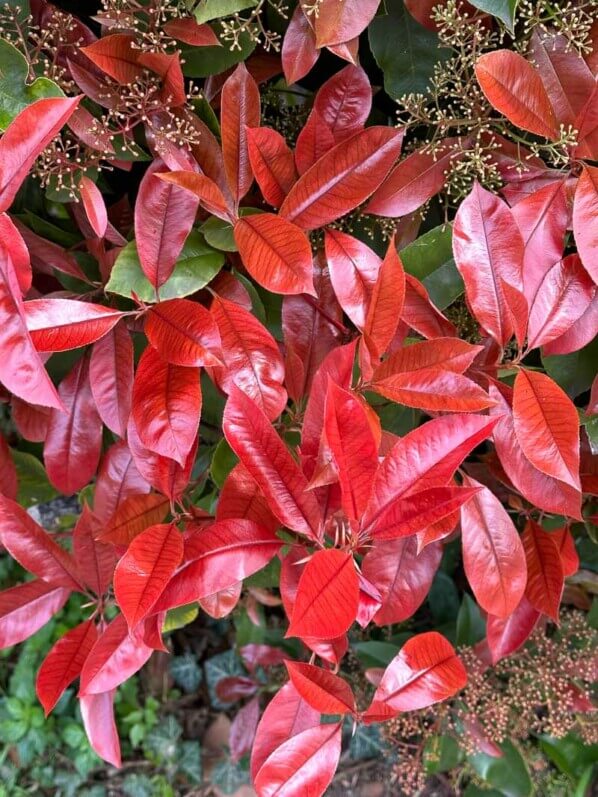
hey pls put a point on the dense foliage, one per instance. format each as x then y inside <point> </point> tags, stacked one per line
<point>291,356</point>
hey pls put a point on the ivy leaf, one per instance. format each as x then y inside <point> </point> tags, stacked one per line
<point>229,777</point>
<point>186,672</point>
<point>15,92</point>
<point>405,51</point>
<point>223,665</point>
<point>501,9</point>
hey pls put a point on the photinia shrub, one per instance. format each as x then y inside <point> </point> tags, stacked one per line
<point>241,372</point>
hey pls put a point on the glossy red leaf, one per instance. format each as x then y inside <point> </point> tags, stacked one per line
<point>585,209</point>
<point>93,204</point>
<point>421,315</point>
<point>433,390</point>
<point>144,571</point>
<point>26,136</point>
<point>117,479</point>
<point>117,56</point>
<point>324,691</point>
<point>402,576</point>
<point>276,253</point>
<point>353,270</point>
<point>582,332</point>
<point>415,180</point>
<point>33,547</point>
<point>286,715</point>
<point>133,515</point>
<point>63,324</point>
<point>449,354</point>
<point>493,555</point>
<point>46,255</point>
<point>545,578</point>
<point>24,609</point>
<point>315,139</point>
<point>343,178</point>
<point>541,490</point>
<point>115,656</point>
<point>30,420</point>
<point>8,473</point>
<point>568,553</point>
<point>299,52</point>
<point>111,378</point>
<point>386,303</point>
<point>426,671</point>
<point>220,604</point>
<point>488,249</point>
<point>241,497</point>
<point>96,561</point>
<point>344,102</point>
<point>166,406</point>
<point>74,440</point>
<point>547,426</point>
<point>270,463</point>
<point>17,252</point>
<point>243,728</point>
<point>563,296</point>
<point>188,31</point>
<point>426,457</point>
<point>340,22</point>
<point>164,215</point>
<point>304,764</point>
<point>514,87</point>
<point>327,598</point>
<point>64,663</point>
<point>251,357</point>
<point>183,333</point>
<point>218,557</point>
<point>208,193</point>
<point>235,687</point>
<point>505,636</point>
<point>272,163</point>
<point>240,105</point>
<point>353,447</point>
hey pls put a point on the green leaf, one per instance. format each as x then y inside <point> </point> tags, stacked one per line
<point>508,774</point>
<point>501,9</point>
<point>405,51</point>
<point>366,743</point>
<point>229,777</point>
<point>223,461</point>
<point>441,754</point>
<point>471,626</point>
<point>189,761</point>
<point>15,93</point>
<point>162,740</point>
<point>206,61</point>
<point>374,653</point>
<point>186,672</point>
<point>569,754</point>
<point>219,233</point>
<point>266,578</point>
<point>591,427</point>
<point>180,617</point>
<point>430,259</point>
<point>197,265</point>
<point>207,10</point>
<point>443,599</point>
<point>574,372</point>
<point>34,487</point>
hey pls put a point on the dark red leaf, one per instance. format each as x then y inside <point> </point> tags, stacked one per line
<point>505,636</point>
<point>240,110</point>
<point>243,728</point>
<point>344,102</point>
<point>585,208</point>
<point>545,578</point>
<point>299,52</point>
<point>95,560</point>
<point>111,378</point>
<point>117,56</point>
<point>272,163</point>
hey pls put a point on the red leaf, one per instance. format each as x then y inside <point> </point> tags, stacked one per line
<point>95,560</point>
<point>426,671</point>
<point>240,110</point>
<point>17,252</point>
<point>188,31</point>
<point>166,406</point>
<point>144,571</point>
<point>449,354</point>
<point>24,609</point>
<point>539,489</point>
<point>545,579</point>
<point>386,303</point>
<point>63,664</point>
<point>209,194</point>
<point>585,209</point>
<point>433,390</point>
<point>324,691</point>
<point>568,553</point>
<point>304,764</point>
<point>63,324</point>
<point>251,357</point>
<point>353,447</point>
<point>493,556</point>
<point>343,178</point>
<point>270,463</point>
<point>313,142</point>
<point>241,497</point>
<point>299,52</point>
<point>426,457</point>
<point>514,87</point>
<point>344,102</point>
<point>340,22</point>
<point>25,137</point>
<point>582,332</point>
<point>402,576</point>
<point>415,180</point>
<point>563,296</point>
<point>117,56</point>
<point>9,483</point>
<point>117,479</point>
<point>111,378</point>
<point>116,656</point>
<point>243,728</point>
<point>31,421</point>
<point>218,557</point>
<point>135,514</point>
<point>74,439</point>
<point>285,717</point>
<point>168,67</point>
<point>421,315</point>
<point>97,712</point>
<point>46,255</point>
<point>505,636</point>
<point>353,270</point>
<point>164,215</point>
<point>93,203</point>
<point>276,253</point>
<point>184,333</point>
<point>272,163</point>
<point>547,426</point>
<point>488,249</point>
<point>235,687</point>
<point>327,598</point>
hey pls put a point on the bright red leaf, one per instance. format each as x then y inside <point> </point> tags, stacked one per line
<point>111,378</point>
<point>545,579</point>
<point>63,324</point>
<point>183,333</point>
<point>324,691</point>
<point>240,110</point>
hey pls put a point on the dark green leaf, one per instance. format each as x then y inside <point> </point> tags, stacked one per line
<point>508,774</point>
<point>471,626</point>
<point>206,61</point>
<point>430,259</point>
<point>501,9</point>
<point>15,93</point>
<point>207,10</point>
<point>441,754</point>
<point>574,372</point>
<point>186,672</point>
